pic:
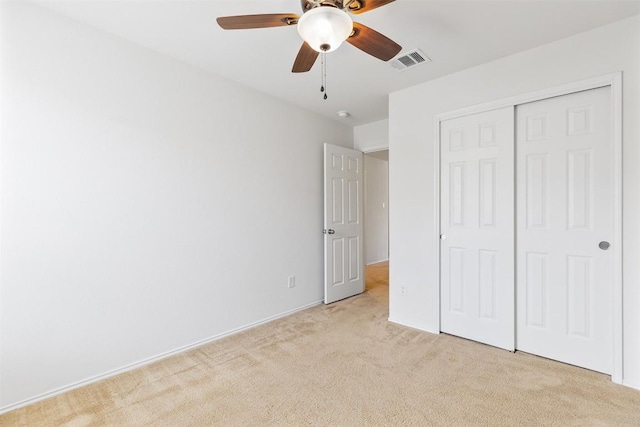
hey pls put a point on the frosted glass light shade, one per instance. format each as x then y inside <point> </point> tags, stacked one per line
<point>325,28</point>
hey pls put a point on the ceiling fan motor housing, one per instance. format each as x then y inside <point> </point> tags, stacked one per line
<point>312,4</point>
<point>350,5</point>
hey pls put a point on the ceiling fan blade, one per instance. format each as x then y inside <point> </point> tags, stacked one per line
<point>243,22</point>
<point>361,6</point>
<point>373,43</point>
<point>305,59</point>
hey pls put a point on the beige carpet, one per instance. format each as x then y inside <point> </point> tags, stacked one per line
<point>343,364</point>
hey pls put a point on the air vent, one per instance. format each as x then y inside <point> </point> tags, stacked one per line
<point>409,60</point>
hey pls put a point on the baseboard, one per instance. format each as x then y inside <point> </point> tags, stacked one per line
<point>412,326</point>
<point>374,148</point>
<point>150,360</point>
<point>378,262</point>
<point>631,384</point>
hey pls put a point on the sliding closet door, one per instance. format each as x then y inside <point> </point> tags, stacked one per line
<point>477,224</point>
<point>564,226</point>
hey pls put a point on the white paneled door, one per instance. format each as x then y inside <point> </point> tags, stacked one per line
<point>477,224</point>
<point>564,229</point>
<point>343,223</point>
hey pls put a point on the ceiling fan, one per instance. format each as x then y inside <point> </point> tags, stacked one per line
<point>323,26</point>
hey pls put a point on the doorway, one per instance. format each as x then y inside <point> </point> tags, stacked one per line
<point>376,207</point>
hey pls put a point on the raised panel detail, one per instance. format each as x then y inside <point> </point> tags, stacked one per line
<point>353,202</point>
<point>354,258</point>
<point>537,127</point>
<point>487,209</point>
<point>579,172</point>
<point>343,223</point>
<point>337,162</point>
<point>536,188</point>
<point>580,120</point>
<point>353,165</point>
<point>487,281</point>
<point>487,135</point>
<point>578,295</point>
<point>338,261</point>
<point>456,140</point>
<point>338,201</point>
<point>456,279</point>
<point>536,286</point>
<point>456,194</point>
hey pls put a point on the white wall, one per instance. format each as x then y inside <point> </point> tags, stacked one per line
<point>145,205</point>
<point>372,136</point>
<point>376,209</point>
<point>413,239</point>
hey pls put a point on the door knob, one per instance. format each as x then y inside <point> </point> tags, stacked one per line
<point>329,231</point>
<point>443,237</point>
<point>604,245</point>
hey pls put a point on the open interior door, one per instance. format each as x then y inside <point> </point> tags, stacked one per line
<point>343,223</point>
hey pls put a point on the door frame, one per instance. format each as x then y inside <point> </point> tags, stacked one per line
<point>613,80</point>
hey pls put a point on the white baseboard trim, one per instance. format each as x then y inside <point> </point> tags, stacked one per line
<point>631,384</point>
<point>412,326</point>
<point>150,360</point>
<point>374,148</point>
<point>378,262</point>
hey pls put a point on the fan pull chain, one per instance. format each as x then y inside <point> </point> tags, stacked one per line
<point>323,86</point>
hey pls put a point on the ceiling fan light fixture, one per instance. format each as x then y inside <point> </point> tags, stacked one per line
<point>324,28</point>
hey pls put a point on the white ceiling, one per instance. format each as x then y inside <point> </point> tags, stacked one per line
<point>455,34</point>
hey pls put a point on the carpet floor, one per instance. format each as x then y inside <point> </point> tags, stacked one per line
<point>343,365</point>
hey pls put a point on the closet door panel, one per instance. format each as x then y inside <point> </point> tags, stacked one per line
<point>564,210</point>
<point>477,223</point>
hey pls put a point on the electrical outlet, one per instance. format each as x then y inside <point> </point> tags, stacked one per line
<point>404,290</point>
<point>291,283</point>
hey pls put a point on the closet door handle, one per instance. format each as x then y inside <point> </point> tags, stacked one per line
<point>604,245</point>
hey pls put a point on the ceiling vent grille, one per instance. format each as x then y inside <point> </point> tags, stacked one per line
<point>410,60</point>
